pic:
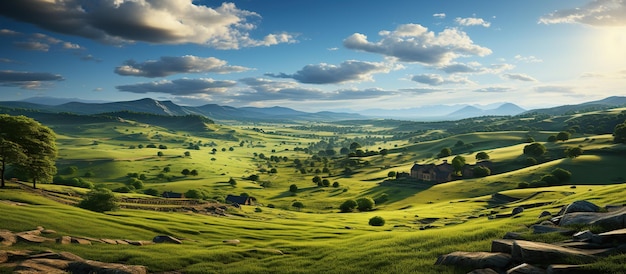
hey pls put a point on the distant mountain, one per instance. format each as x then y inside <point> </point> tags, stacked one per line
<point>507,109</point>
<point>606,103</point>
<point>54,101</point>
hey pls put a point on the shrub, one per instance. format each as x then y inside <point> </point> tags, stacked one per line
<point>232,182</point>
<point>348,206</point>
<point>365,203</point>
<point>135,183</point>
<point>530,161</point>
<point>293,188</point>
<point>99,200</point>
<point>562,174</point>
<point>336,184</point>
<point>193,194</point>
<point>89,174</point>
<point>482,156</point>
<point>297,204</point>
<point>445,152</point>
<point>535,149</point>
<point>550,180</point>
<point>325,183</point>
<point>123,189</point>
<point>377,221</point>
<point>481,171</point>
<point>523,185</point>
<point>151,192</point>
<point>381,199</point>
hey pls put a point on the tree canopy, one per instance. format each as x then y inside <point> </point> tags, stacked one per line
<point>619,134</point>
<point>27,146</point>
<point>535,149</point>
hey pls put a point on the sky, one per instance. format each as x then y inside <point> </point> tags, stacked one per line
<point>315,55</point>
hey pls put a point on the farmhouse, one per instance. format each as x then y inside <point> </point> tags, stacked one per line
<point>240,200</point>
<point>443,172</point>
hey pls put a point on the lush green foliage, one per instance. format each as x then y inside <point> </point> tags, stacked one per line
<point>377,221</point>
<point>619,134</point>
<point>99,200</point>
<point>348,206</point>
<point>365,204</point>
<point>535,149</point>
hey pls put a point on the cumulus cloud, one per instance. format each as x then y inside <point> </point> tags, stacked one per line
<point>494,90</point>
<point>604,75</point>
<point>347,71</point>
<point>471,21</point>
<point>475,68</point>
<point>168,65</point>
<point>182,86</point>
<point>36,46</point>
<point>437,80</point>
<point>519,76</point>
<point>439,15</point>
<point>422,90</point>
<point>527,59</point>
<point>152,21</point>
<point>554,89</point>
<point>595,13</point>
<point>414,43</point>
<point>8,32</point>
<point>27,80</point>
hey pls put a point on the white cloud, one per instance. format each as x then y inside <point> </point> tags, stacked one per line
<point>182,86</point>
<point>475,68</point>
<point>437,80</point>
<point>161,22</point>
<point>554,89</point>
<point>8,32</point>
<point>494,90</point>
<point>595,13</point>
<point>519,76</point>
<point>439,15</point>
<point>527,59</point>
<point>413,43</point>
<point>347,71</point>
<point>36,46</point>
<point>27,80</point>
<point>68,45</point>
<point>471,21</point>
<point>168,65</point>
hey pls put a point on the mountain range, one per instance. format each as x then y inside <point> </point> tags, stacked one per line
<point>254,114</point>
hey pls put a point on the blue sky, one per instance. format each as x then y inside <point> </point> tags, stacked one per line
<point>315,55</point>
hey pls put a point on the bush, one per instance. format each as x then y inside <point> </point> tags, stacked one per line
<point>151,192</point>
<point>336,184</point>
<point>297,204</point>
<point>365,204</point>
<point>535,149</point>
<point>381,199</point>
<point>293,188</point>
<point>135,183</point>
<point>193,194</point>
<point>124,189</point>
<point>530,161</point>
<point>481,171</point>
<point>232,182</point>
<point>377,221</point>
<point>523,185</point>
<point>561,174</point>
<point>348,206</point>
<point>550,180</point>
<point>99,200</point>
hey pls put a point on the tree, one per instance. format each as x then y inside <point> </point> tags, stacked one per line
<point>317,180</point>
<point>185,172</point>
<point>354,146</point>
<point>348,206</point>
<point>535,149</point>
<point>458,163</point>
<point>377,221</point>
<point>563,136</point>
<point>193,194</point>
<point>552,138</point>
<point>99,200</point>
<point>482,156</point>
<point>298,205</point>
<point>561,174</point>
<point>187,153</point>
<point>28,146</point>
<point>293,188</point>
<point>232,182</point>
<point>481,171</point>
<point>383,152</point>
<point>573,152</point>
<point>193,173</point>
<point>365,203</point>
<point>391,174</point>
<point>619,134</point>
<point>445,152</point>
<point>160,153</point>
<point>253,177</point>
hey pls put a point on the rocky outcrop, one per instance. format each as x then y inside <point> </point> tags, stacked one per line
<point>527,257</point>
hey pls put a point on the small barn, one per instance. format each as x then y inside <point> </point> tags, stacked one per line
<point>240,200</point>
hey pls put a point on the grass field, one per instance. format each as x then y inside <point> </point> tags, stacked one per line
<point>423,220</point>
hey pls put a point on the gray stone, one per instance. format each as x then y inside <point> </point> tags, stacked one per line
<point>513,236</point>
<point>545,214</point>
<point>517,210</point>
<point>613,236</point>
<point>502,246</point>
<point>37,266</point>
<point>526,269</point>
<point>614,219</point>
<point>542,253</point>
<point>64,240</point>
<point>579,206</point>
<point>568,269</point>
<point>475,259</point>
<point>89,266</point>
<point>32,238</point>
<point>583,236</point>
<point>166,239</point>
<point>80,241</point>
<point>231,242</point>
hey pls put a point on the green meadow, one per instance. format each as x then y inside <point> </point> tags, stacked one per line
<point>423,219</point>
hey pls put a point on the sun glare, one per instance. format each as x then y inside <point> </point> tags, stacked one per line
<point>610,46</point>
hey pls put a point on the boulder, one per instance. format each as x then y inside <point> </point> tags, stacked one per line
<point>583,236</point>
<point>611,236</point>
<point>513,236</point>
<point>121,242</point>
<point>7,238</point>
<point>48,231</point>
<point>545,214</point>
<point>64,240</point>
<point>568,269</point>
<point>483,271</point>
<point>80,241</point>
<point>32,238</point>
<point>526,269</point>
<point>475,259</point>
<point>166,239</point>
<point>579,206</point>
<point>502,245</point>
<point>542,253</point>
<point>35,266</point>
<point>541,229</point>
<point>109,241</point>
<point>614,219</point>
<point>89,266</point>
<point>517,210</point>
<point>231,242</point>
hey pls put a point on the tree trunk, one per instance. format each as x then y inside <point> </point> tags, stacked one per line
<point>2,175</point>
<point>34,182</point>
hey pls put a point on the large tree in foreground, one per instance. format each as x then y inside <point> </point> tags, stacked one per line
<point>27,146</point>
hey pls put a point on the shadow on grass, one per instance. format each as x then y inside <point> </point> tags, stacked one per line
<point>397,190</point>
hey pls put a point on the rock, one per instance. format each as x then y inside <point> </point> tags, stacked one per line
<point>231,242</point>
<point>568,269</point>
<point>64,240</point>
<point>40,228</point>
<point>611,236</point>
<point>31,238</point>
<point>30,232</point>
<point>517,210</point>
<point>502,245</point>
<point>4,257</point>
<point>542,253</point>
<point>541,229</point>
<point>545,214</point>
<point>526,269</point>
<point>48,231</point>
<point>121,242</point>
<point>139,243</point>
<point>583,236</point>
<point>89,266</point>
<point>267,251</point>
<point>80,241</point>
<point>35,266</point>
<point>614,219</point>
<point>475,259</point>
<point>513,236</point>
<point>579,206</point>
<point>166,239</point>
<point>7,238</point>
<point>483,271</point>
<point>109,241</point>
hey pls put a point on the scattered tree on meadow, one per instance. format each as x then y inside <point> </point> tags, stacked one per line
<point>160,153</point>
<point>348,206</point>
<point>232,182</point>
<point>552,138</point>
<point>535,149</point>
<point>391,174</point>
<point>99,200</point>
<point>563,136</point>
<point>530,161</point>
<point>253,177</point>
<point>377,221</point>
<point>354,146</point>
<point>335,184</point>
<point>365,204</point>
<point>573,152</point>
<point>193,173</point>
<point>317,180</point>
<point>445,152</point>
<point>619,134</point>
<point>298,205</point>
<point>167,169</point>
<point>185,172</point>
<point>293,188</point>
<point>193,194</point>
<point>28,146</point>
<point>187,153</point>
<point>561,174</point>
<point>482,156</point>
<point>383,152</point>
<point>458,163</point>
<point>481,171</point>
